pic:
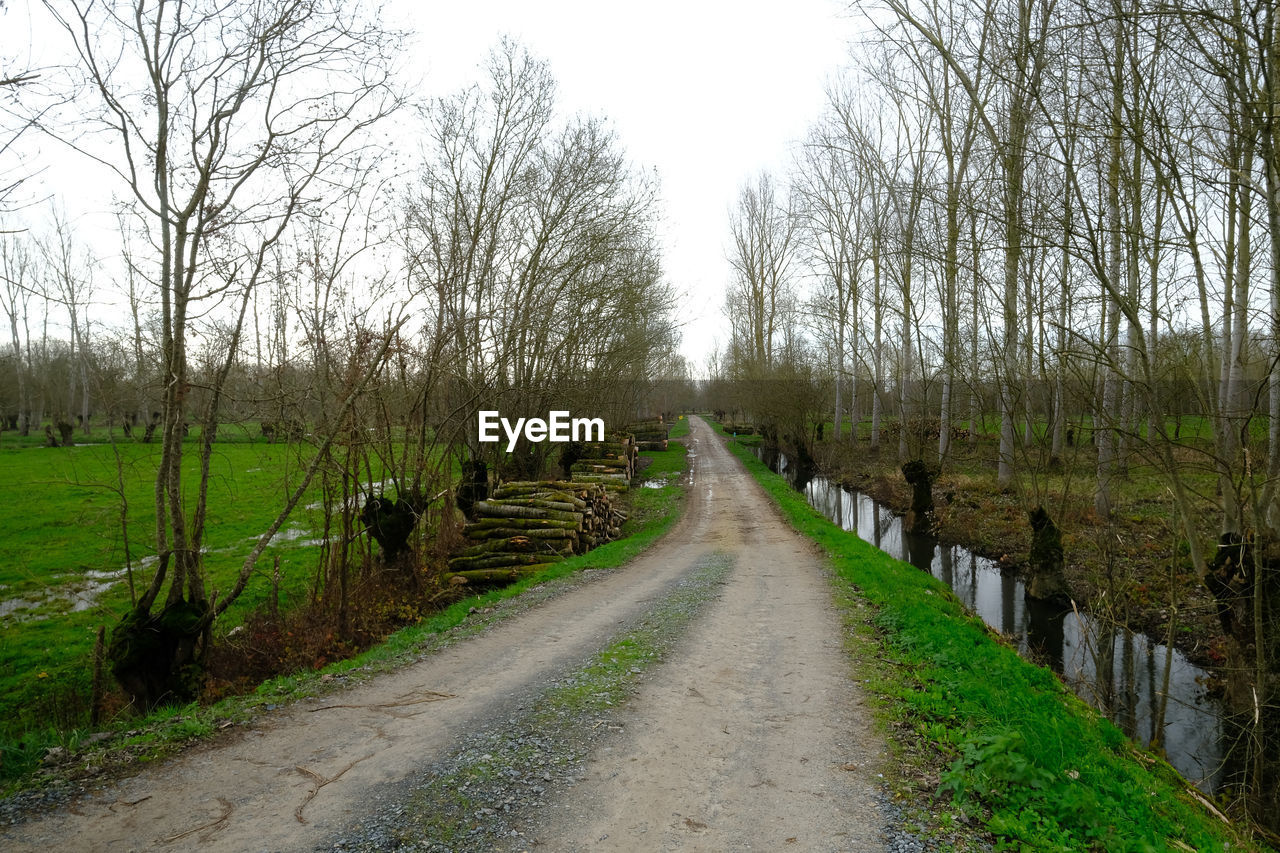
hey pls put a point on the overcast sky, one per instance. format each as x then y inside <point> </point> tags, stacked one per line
<point>704,93</point>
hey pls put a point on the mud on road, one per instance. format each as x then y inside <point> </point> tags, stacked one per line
<point>747,732</point>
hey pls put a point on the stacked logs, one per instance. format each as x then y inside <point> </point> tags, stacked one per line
<point>651,434</point>
<point>610,463</point>
<point>525,525</point>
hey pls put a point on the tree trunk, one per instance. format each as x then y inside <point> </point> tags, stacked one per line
<point>905,409</point>
<point>855,416</point>
<point>877,349</point>
<point>975,402</point>
<point>1236,410</point>
<point>1104,432</point>
<point>838,424</point>
<point>1060,371</point>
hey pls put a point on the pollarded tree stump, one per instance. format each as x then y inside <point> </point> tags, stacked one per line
<point>919,477</point>
<point>1048,581</point>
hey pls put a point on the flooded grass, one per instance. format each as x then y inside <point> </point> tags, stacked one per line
<point>64,569</point>
<point>44,663</point>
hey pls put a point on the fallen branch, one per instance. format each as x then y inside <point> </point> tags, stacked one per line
<point>432,696</point>
<point>321,781</point>
<point>227,809</point>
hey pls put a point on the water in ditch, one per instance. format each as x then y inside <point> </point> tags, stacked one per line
<point>1118,671</point>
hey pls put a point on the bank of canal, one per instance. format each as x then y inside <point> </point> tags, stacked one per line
<point>1120,672</point>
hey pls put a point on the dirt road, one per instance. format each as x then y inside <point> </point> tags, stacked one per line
<point>751,735</point>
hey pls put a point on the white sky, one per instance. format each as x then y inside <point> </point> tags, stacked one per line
<point>706,93</point>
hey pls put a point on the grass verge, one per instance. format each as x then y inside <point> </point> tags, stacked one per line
<point>54,758</point>
<point>1027,759</point>
<point>679,428</point>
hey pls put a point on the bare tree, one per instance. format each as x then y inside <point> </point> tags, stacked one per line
<point>1020,64</point>
<point>19,86</point>
<point>18,274</point>
<point>229,122</point>
<point>764,246</point>
<point>829,188</point>
<point>530,247</point>
<point>69,283</point>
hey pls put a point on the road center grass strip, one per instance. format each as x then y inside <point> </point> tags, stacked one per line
<point>497,776</point>
<point>1037,766</point>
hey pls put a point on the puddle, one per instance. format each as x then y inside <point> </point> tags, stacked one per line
<point>83,595</point>
<point>292,535</point>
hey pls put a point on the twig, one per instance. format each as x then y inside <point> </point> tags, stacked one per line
<point>1208,805</point>
<point>321,781</point>
<point>227,809</point>
<point>112,806</point>
<point>432,696</point>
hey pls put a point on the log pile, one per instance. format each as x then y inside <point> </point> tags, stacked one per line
<point>610,463</point>
<point>525,525</point>
<point>650,435</point>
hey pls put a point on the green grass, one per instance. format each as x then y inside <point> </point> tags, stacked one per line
<point>652,512</point>
<point>1041,769</point>
<point>68,521</point>
<point>65,529</point>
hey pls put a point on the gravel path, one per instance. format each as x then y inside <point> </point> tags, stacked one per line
<point>752,735</point>
<point>696,699</point>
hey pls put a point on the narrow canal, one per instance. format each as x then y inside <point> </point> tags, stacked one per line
<point>1118,671</point>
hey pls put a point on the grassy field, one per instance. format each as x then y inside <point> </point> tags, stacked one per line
<point>63,567</point>
<point>1005,742</point>
<point>45,649</point>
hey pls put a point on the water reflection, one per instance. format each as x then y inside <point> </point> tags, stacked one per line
<point>1118,671</point>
